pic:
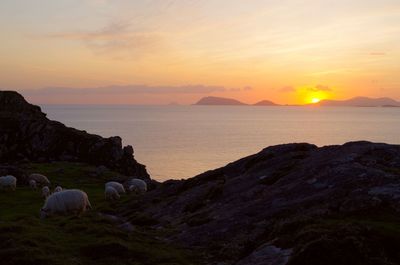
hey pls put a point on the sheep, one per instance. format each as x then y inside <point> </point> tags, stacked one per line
<point>8,182</point>
<point>45,192</point>
<point>73,202</point>
<point>40,179</point>
<point>116,185</point>
<point>111,194</point>
<point>137,185</point>
<point>58,189</point>
<point>32,184</point>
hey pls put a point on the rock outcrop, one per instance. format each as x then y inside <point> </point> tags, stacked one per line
<point>27,135</point>
<point>289,204</point>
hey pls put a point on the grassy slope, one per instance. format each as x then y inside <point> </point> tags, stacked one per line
<point>90,239</point>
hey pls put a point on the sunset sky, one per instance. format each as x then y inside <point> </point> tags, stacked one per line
<point>162,51</point>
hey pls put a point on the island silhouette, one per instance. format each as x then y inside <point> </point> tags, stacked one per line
<point>352,102</point>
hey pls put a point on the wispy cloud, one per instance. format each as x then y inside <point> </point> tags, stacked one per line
<point>319,88</point>
<point>287,89</point>
<point>129,90</point>
<point>377,53</point>
<point>115,37</point>
<point>247,88</point>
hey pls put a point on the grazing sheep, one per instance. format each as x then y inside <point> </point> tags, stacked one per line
<point>8,183</point>
<point>32,184</point>
<point>58,189</point>
<point>40,179</point>
<point>111,194</point>
<point>137,185</point>
<point>64,202</point>
<point>116,185</point>
<point>45,192</point>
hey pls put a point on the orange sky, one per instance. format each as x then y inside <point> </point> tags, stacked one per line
<point>159,51</point>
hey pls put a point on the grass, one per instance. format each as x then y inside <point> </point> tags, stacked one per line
<point>90,239</point>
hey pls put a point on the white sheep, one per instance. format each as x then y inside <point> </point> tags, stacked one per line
<point>32,184</point>
<point>64,202</point>
<point>45,192</point>
<point>8,183</point>
<point>40,179</point>
<point>137,185</point>
<point>116,185</point>
<point>111,194</point>
<point>58,189</point>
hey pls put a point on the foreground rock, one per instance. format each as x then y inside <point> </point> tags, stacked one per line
<point>27,135</point>
<point>288,204</point>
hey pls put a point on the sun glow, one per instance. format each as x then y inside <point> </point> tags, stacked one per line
<point>315,100</point>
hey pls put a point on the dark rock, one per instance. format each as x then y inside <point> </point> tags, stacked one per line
<point>26,133</point>
<point>128,150</point>
<point>281,195</point>
<point>267,254</point>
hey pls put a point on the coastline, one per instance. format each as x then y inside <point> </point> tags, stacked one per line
<point>283,204</point>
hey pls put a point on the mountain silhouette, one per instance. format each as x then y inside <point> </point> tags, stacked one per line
<point>361,102</point>
<point>265,103</point>
<point>219,101</point>
<point>352,102</point>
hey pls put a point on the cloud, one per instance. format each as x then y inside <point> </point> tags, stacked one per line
<point>377,53</point>
<point>235,89</point>
<point>129,90</point>
<point>116,37</point>
<point>247,88</point>
<point>287,89</point>
<point>320,88</point>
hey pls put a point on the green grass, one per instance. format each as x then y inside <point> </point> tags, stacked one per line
<point>89,239</point>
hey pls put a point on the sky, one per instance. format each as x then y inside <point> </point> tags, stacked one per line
<point>166,51</point>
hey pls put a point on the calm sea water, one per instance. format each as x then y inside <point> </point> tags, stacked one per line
<point>182,141</point>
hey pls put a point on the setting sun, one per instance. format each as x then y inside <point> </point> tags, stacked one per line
<point>315,100</point>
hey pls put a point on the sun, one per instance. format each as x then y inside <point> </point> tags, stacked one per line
<point>315,100</point>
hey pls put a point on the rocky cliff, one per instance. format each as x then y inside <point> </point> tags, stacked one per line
<point>289,204</point>
<point>27,135</point>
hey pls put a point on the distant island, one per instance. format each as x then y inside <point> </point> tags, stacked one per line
<point>265,103</point>
<point>360,102</point>
<point>219,101</point>
<point>353,102</point>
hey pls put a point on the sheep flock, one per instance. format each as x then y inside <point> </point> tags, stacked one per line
<point>70,201</point>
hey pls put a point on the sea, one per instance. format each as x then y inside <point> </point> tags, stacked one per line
<point>178,142</point>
